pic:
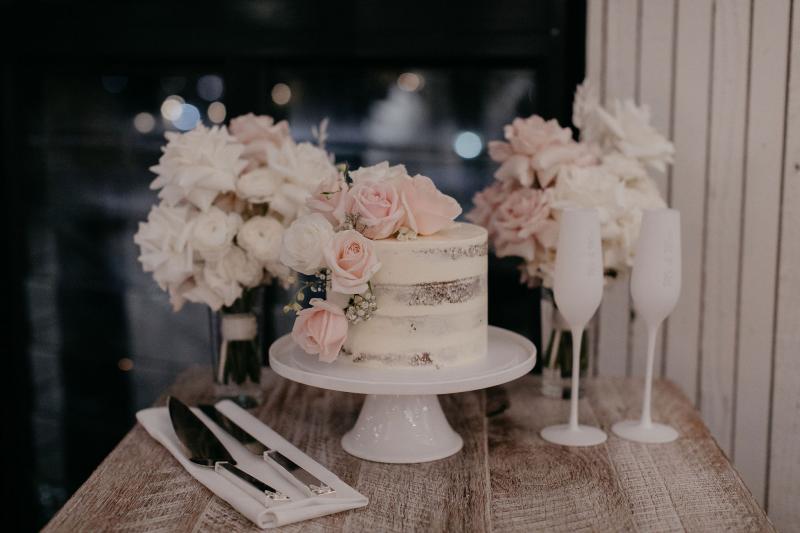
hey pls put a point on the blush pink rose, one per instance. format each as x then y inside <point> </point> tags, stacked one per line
<point>321,329</point>
<point>352,260</point>
<point>499,151</point>
<point>427,209</point>
<point>330,199</point>
<point>486,203</point>
<point>256,133</point>
<point>522,222</point>
<point>529,135</point>
<point>378,207</point>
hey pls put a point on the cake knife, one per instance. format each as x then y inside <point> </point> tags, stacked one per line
<point>292,471</point>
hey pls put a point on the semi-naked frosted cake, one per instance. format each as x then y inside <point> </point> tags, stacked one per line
<point>432,302</point>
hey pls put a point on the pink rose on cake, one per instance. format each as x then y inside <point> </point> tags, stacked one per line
<point>352,261</point>
<point>427,210</point>
<point>330,199</point>
<point>321,329</point>
<point>377,206</point>
<point>523,222</point>
<point>257,132</point>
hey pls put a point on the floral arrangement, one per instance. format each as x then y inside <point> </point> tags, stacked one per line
<point>226,196</point>
<point>544,170</point>
<point>332,247</point>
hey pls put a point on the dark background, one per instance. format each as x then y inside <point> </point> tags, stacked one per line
<point>90,338</point>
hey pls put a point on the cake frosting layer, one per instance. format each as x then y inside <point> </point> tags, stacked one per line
<point>432,302</point>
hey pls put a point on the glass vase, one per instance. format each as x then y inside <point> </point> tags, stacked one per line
<point>236,350</point>
<point>557,367</point>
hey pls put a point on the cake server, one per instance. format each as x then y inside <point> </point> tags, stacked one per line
<point>206,450</point>
<point>292,471</point>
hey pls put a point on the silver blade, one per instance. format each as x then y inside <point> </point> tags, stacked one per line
<point>306,479</point>
<point>203,446</point>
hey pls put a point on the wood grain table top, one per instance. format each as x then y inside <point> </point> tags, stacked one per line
<point>506,478</point>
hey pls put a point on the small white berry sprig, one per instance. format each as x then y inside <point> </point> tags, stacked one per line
<point>361,306</point>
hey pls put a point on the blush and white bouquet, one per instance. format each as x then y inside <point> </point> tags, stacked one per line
<point>227,196</point>
<point>544,170</point>
<point>332,247</point>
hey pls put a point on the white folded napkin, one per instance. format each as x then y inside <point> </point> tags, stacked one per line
<point>157,423</point>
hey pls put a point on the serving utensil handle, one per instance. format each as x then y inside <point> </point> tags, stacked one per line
<point>252,486</point>
<point>298,475</point>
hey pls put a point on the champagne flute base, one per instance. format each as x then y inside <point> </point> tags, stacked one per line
<point>567,436</point>
<point>636,431</point>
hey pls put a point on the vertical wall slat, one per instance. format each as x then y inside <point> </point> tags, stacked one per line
<point>784,478</point>
<point>766,107</point>
<point>595,10</point>
<point>690,130</point>
<point>655,91</point>
<point>620,82</point>
<point>723,215</point>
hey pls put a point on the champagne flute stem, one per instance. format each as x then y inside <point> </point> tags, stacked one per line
<point>652,331</point>
<point>577,337</point>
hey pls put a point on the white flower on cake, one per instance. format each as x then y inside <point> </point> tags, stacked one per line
<point>261,238</point>
<point>213,232</point>
<point>379,172</point>
<point>164,244</point>
<point>197,166</point>
<point>334,246</point>
<point>304,241</point>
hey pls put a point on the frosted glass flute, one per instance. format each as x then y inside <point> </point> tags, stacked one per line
<point>578,289</point>
<point>655,287</point>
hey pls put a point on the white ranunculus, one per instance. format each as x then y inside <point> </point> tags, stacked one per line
<point>213,232</point>
<point>222,281</point>
<point>261,238</point>
<point>238,265</point>
<point>259,186</point>
<point>164,244</point>
<point>379,172</point>
<point>197,166</point>
<point>303,243</point>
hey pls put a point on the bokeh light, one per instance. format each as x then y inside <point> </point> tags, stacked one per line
<point>468,144</point>
<point>210,87</point>
<point>410,81</point>
<point>281,94</point>
<point>125,364</point>
<point>172,107</point>
<point>144,122</point>
<point>188,119</point>
<point>217,112</point>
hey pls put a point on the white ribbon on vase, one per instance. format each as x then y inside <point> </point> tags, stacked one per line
<point>235,327</point>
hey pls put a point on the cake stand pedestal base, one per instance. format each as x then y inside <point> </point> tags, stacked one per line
<point>401,429</point>
<point>401,420</point>
<point>636,431</point>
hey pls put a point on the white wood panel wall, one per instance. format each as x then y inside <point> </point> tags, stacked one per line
<point>722,79</point>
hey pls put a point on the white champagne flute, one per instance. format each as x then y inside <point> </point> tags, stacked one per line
<point>578,289</point>
<point>655,287</point>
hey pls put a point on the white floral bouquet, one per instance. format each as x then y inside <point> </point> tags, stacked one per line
<point>544,170</point>
<point>332,247</point>
<point>226,197</point>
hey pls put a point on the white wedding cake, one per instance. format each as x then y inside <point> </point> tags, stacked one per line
<point>387,278</point>
<point>433,297</point>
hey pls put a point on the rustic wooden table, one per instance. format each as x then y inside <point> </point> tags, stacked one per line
<point>505,479</point>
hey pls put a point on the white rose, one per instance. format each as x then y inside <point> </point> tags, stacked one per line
<point>197,166</point>
<point>304,164</point>
<point>165,249</point>
<point>213,232</point>
<point>222,281</point>
<point>195,289</point>
<point>259,186</point>
<point>261,238</point>
<point>303,243</point>
<point>630,132</point>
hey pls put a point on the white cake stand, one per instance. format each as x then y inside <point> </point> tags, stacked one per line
<point>401,420</point>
